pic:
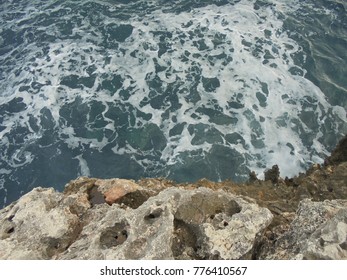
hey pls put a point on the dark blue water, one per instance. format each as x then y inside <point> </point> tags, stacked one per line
<point>175,89</point>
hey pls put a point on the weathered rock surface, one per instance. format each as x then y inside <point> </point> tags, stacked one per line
<point>304,217</point>
<point>40,224</point>
<point>319,231</point>
<point>174,224</point>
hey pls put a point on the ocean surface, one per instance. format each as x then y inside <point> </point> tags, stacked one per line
<point>176,89</point>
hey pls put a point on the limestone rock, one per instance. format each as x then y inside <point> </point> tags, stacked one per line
<point>319,231</point>
<point>174,224</point>
<point>40,224</point>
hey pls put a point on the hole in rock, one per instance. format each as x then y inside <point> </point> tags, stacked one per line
<point>156,213</point>
<point>10,230</point>
<point>272,236</point>
<point>321,242</point>
<point>10,218</point>
<point>52,245</point>
<point>115,235</point>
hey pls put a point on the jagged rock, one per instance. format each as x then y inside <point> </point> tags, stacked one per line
<point>180,224</point>
<point>40,224</point>
<point>319,231</point>
<point>116,190</point>
<point>80,185</point>
<point>339,154</point>
<point>174,224</point>
<point>272,174</point>
<point>320,184</point>
<point>252,177</point>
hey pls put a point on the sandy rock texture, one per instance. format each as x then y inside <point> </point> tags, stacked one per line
<point>173,224</point>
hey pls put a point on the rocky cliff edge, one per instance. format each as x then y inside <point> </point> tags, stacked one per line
<point>304,217</point>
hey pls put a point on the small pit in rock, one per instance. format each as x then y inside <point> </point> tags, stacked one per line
<point>153,215</point>
<point>6,228</point>
<point>53,245</point>
<point>10,218</point>
<point>115,235</point>
<point>10,230</point>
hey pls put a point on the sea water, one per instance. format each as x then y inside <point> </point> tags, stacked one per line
<point>176,89</point>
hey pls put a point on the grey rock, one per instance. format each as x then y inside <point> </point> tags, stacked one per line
<point>175,224</point>
<point>172,224</point>
<point>319,231</point>
<point>39,225</point>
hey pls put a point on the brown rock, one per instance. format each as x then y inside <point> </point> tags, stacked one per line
<point>114,189</point>
<point>112,195</point>
<point>80,185</point>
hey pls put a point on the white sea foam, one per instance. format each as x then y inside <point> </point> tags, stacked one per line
<point>84,169</point>
<point>259,84</point>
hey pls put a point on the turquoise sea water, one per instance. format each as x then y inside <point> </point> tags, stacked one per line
<point>176,89</point>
